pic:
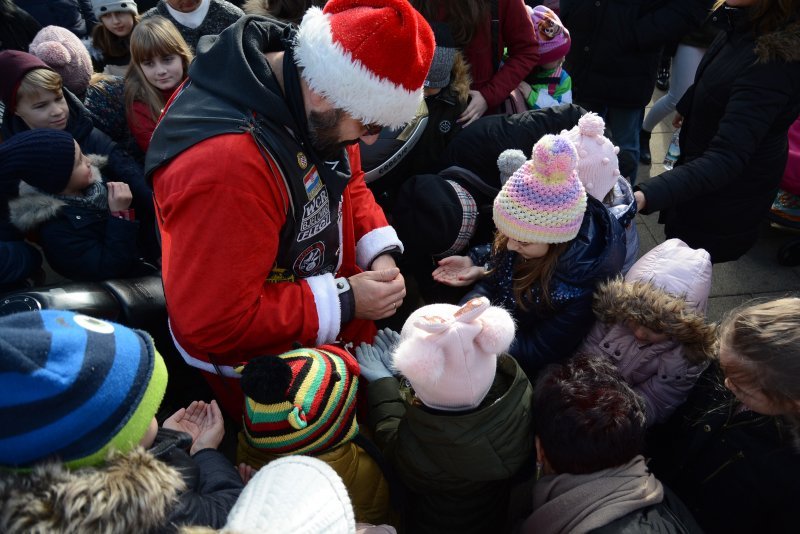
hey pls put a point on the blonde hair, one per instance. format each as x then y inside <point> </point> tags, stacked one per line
<point>41,79</point>
<point>765,338</point>
<point>112,46</point>
<point>154,36</point>
<point>531,273</point>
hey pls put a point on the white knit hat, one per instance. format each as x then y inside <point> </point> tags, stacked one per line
<point>449,354</point>
<point>598,167</point>
<point>297,494</point>
<point>368,57</point>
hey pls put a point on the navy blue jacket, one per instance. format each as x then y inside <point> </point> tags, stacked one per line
<point>550,334</point>
<point>75,15</point>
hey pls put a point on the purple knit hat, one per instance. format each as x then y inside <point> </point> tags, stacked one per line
<point>552,38</point>
<point>544,201</point>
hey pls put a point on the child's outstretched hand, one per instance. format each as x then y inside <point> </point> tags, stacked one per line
<point>119,196</point>
<point>203,421</point>
<point>246,472</point>
<point>370,359</point>
<point>457,271</point>
<point>386,341</point>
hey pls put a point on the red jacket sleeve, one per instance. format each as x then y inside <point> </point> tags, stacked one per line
<point>141,124</point>
<point>516,35</point>
<point>220,214</point>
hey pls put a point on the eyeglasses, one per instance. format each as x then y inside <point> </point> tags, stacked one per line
<point>373,129</point>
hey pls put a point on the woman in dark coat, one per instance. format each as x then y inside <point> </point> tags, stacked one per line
<point>75,15</point>
<point>733,138</point>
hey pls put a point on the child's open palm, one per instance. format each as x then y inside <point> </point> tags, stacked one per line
<point>457,271</point>
<point>203,421</point>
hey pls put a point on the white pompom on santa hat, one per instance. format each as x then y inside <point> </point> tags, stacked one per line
<point>368,57</point>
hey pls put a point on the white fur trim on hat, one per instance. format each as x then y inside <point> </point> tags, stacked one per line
<point>331,71</point>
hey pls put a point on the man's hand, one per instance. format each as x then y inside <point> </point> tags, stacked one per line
<point>457,271</point>
<point>201,421</point>
<point>475,109</point>
<point>378,294</point>
<point>677,120</point>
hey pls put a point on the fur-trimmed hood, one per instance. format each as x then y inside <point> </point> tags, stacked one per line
<point>32,207</point>
<point>666,290</point>
<point>130,493</point>
<point>461,79</point>
<point>780,45</point>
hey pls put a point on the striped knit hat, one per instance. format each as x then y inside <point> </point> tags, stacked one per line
<point>73,387</point>
<point>300,402</point>
<point>544,201</point>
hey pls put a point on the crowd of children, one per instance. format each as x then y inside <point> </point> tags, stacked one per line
<point>550,379</point>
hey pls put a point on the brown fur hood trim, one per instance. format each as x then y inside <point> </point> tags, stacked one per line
<point>256,7</point>
<point>461,78</point>
<point>617,301</point>
<point>130,493</point>
<point>780,45</point>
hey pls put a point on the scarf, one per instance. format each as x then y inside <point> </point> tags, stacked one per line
<point>576,504</point>
<point>94,197</point>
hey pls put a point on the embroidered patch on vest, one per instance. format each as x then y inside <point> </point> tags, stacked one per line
<point>310,260</point>
<point>312,183</point>
<point>316,216</point>
<point>277,275</point>
<point>302,160</point>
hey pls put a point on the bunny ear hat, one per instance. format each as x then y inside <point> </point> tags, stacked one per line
<point>449,353</point>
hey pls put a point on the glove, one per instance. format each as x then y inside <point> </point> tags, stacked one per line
<point>386,341</point>
<point>372,366</point>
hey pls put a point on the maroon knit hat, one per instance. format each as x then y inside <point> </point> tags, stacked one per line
<point>15,65</point>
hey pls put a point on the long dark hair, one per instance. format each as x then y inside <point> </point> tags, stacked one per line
<point>464,16</point>
<point>529,274</point>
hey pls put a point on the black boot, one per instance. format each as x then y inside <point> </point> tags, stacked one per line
<point>644,147</point>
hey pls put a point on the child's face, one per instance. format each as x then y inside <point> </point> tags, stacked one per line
<point>43,109</point>
<point>749,394</point>
<point>644,335</point>
<point>81,176</point>
<point>120,23</point>
<point>163,72</point>
<point>528,251</point>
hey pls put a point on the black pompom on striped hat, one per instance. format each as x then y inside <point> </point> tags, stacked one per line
<point>73,388</point>
<point>300,402</point>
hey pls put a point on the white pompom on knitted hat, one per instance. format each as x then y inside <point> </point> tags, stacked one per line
<point>544,201</point>
<point>598,166</point>
<point>368,57</point>
<point>508,162</point>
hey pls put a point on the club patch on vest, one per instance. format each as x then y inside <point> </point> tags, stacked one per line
<point>316,216</point>
<point>310,260</point>
<point>302,160</point>
<point>312,183</point>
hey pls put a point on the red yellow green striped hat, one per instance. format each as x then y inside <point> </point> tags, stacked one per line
<point>300,402</point>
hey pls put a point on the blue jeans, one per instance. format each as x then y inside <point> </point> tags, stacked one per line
<point>624,124</point>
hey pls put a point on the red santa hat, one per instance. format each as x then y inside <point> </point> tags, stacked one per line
<point>368,57</point>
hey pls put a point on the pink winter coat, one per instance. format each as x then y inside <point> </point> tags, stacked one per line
<point>667,291</point>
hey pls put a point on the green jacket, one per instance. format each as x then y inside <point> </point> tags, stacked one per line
<point>456,466</point>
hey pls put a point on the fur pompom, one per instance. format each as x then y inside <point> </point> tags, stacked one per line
<point>418,357</point>
<point>498,331</point>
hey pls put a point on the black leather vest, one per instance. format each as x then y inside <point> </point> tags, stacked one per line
<point>310,237</point>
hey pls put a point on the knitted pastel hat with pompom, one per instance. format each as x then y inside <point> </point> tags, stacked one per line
<point>544,201</point>
<point>449,354</point>
<point>300,402</point>
<point>598,167</point>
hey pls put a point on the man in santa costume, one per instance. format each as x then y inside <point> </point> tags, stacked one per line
<point>271,239</point>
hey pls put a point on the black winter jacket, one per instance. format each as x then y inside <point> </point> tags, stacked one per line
<point>75,15</point>
<point>733,140</point>
<point>616,45</point>
<point>17,29</point>
<point>736,470</point>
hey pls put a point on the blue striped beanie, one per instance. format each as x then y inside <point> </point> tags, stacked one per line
<point>73,388</point>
